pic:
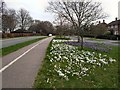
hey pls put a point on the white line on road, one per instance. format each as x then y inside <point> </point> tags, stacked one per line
<point>5,67</point>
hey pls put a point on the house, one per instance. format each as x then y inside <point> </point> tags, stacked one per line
<point>103,25</point>
<point>114,27</point>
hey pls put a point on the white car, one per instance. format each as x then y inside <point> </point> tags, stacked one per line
<point>50,35</point>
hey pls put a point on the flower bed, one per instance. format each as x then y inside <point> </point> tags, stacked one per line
<point>69,61</point>
<point>95,46</point>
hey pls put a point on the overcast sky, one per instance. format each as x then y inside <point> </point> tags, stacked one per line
<point>37,8</point>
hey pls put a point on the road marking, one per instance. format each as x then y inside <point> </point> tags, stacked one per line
<point>5,67</point>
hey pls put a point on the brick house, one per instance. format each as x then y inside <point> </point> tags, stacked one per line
<point>114,27</point>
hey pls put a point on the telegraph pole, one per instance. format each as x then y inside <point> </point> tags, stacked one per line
<point>3,7</point>
<point>1,15</point>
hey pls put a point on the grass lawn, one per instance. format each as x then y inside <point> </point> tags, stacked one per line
<point>95,39</point>
<point>61,38</point>
<point>10,49</point>
<point>117,42</point>
<point>67,66</point>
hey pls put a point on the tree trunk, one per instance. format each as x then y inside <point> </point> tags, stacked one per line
<point>10,30</point>
<point>78,38</point>
<point>81,42</point>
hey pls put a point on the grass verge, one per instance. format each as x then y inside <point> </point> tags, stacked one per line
<point>105,77</point>
<point>10,49</point>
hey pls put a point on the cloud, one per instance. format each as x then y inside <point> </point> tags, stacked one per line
<point>37,7</point>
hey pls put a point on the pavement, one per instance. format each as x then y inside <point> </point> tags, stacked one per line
<point>21,67</point>
<point>13,41</point>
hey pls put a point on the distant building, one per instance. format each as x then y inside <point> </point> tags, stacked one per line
<point>104,24</point>
<point>114,27</point>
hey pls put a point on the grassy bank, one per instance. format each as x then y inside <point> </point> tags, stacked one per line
<point>63,68</point>
<point>10,49</point>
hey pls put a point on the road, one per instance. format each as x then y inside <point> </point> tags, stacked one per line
<point>13,41</point>
<point>21,67</point>
<point>107,42</point>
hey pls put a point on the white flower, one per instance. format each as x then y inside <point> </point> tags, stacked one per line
<point>112,60</point>
<point>103,61</point>
<point>87,58</point>
<point>76,73</point>
<point>60,73</point>
<point>98,64</point>
<point>47,80</point>
<point>55,66</point>
<point>85,69</point>
<point>81,60</point>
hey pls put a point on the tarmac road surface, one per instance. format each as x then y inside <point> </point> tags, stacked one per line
<point>13,41</point>
<point>21,67</point>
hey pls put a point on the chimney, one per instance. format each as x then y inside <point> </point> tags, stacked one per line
<point>103,21</point>
<point>116,19</point>
<point>99,22</point>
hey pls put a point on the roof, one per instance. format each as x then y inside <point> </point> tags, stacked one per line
<point>115,22</point>
<point>105,24</point>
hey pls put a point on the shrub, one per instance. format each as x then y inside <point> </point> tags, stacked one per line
<point>107,33</point>
<point>91,36</point>
<point>110,37</point>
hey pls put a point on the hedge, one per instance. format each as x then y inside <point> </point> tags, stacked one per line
<point>110,37</point>
<point>11,35</point>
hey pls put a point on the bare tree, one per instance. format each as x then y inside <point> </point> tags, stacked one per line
<point>12,20</point>
<point>43,27</point>
<point>80,13</point>
<point>60,22</point>
<point>3,15</point>
<point>9,20</point>
<point>24,19</point>
<point>3,5</point>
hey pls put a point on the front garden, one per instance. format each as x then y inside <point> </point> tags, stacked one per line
<point>67,66</point>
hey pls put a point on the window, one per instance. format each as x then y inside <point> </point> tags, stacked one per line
<point>111,26</point>
<point>116,26</point>
<point>116,32</point>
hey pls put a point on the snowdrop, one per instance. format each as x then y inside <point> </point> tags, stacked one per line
<point>60,73</point>
<point>103,61</point>
<point>112,60</point>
